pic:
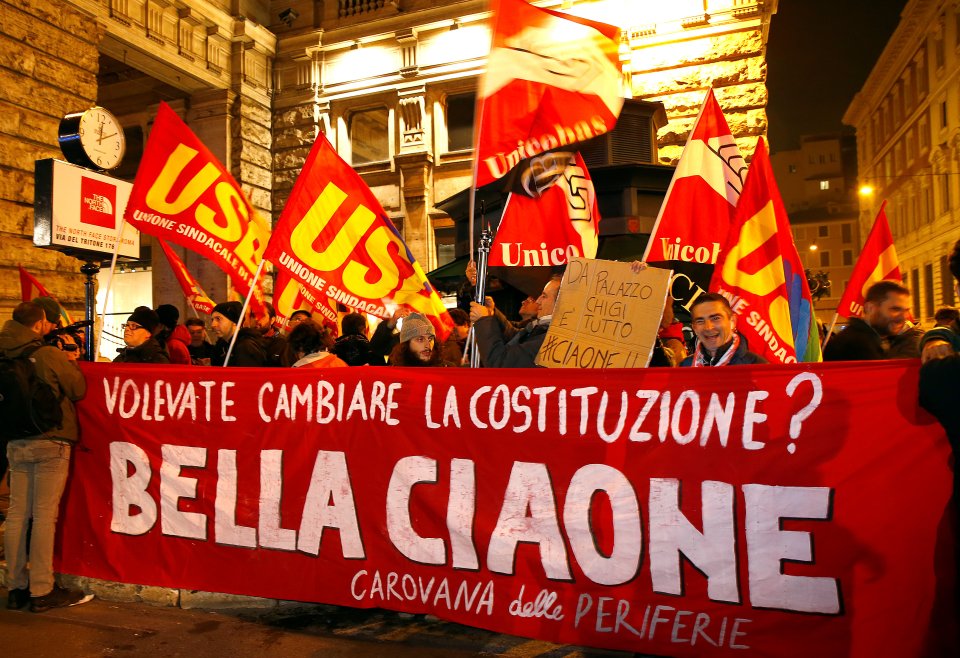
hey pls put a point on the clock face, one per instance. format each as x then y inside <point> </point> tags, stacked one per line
<point>101,136</point>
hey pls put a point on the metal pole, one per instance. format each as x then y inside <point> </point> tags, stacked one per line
<point>91,269</point>
<point>483,254</point>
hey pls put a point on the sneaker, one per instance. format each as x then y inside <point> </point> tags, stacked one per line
<point>18,599</point>
<point>57,598</point>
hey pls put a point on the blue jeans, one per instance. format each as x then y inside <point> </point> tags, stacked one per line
<point>38,475</point>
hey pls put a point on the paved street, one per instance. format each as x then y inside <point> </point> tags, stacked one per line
<point>102,628</point>
<point>107,628</point>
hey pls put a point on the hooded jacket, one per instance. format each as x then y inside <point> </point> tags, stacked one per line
<point>53,367</point>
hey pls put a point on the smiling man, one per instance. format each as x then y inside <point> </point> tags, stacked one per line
<point>884,332</point>
<point>718,343</point>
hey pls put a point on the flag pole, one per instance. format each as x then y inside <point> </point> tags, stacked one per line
<point>243,311</point>
<point>106,292</point>
<point>826,338</point>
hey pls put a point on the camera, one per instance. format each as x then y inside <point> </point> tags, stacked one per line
<point>75,331</point>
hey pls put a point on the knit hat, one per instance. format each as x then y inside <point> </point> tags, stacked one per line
<point>415,325</point>
<point>145,317</point>
<point>169,315</point>
<point>229,310</point>
<point>51,309</point>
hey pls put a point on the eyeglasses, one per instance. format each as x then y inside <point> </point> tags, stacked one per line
<point>131,326</point>
<point>69,347</point>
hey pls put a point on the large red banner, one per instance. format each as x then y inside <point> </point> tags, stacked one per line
<point>773,510</point>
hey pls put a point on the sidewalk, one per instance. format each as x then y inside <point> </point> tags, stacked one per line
<point>101,628</point>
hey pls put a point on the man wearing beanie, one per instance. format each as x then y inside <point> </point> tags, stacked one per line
<point>173,336</point>
<point>39,466</point>
<point>51,313</point>
<point>141,346</point>
<point>417,345</point>
<point>248,351</point>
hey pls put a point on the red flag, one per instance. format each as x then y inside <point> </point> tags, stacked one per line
<point>761,273</point>
<point>878,261</point>
<point>31,288</point>
<point>561,224</point>
<point>289,296</point>
<point>183,194</point>
<point>191,287</point>
<point>698,209</point>
<point>552,80</point>
<point>335,240</point>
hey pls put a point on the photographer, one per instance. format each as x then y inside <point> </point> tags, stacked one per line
<point>67,339</point>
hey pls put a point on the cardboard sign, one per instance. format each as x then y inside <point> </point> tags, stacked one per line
<point>606,316</point>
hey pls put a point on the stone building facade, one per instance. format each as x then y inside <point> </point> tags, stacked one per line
<point>817,183</point>
<point>390,83</point>
<point>907,118</point>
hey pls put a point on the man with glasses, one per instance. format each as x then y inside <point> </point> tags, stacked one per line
<point>141,346</point>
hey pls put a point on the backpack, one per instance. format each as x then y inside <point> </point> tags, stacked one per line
<point>28,405</point>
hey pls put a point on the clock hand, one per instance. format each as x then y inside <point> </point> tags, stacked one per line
<point>103,137</point>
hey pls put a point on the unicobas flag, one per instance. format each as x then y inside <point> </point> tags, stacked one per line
<point>552,80</point>
<point>289,296</point>
<point>336,241</point>
<point>761,273</point>
<point>31,288</point>
<point>699,206</point>
<point>557,222</point>
<point>183,194</point>
<point>878,261</point>
<point>191,287</point>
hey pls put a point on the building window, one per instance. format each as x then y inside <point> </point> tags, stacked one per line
<point>848,257</point>
<point>915,289</point>
<point>923,126</point>
<point>946,281</point>
<point>369,136</point>
<point>945,192</point>
<point>823,231</point>
<point>824,185</point>
<point>938,54</point>
<point>928,288</point>
<point>943,115</point>
<point>846,233</point>
<point>446,244</point>
<point>460,121</point>
<point>922,79</point>
<point>792,168</point>
<point>824,259</point>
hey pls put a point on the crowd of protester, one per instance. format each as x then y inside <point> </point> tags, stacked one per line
<point>708,338</point>
<point>156,336</point>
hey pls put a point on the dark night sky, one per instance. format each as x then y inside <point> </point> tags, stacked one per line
<point>819,54</point>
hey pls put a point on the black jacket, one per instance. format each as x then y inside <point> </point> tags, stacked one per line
<point>354,350</point>
<point>743,356</point>
<point>860,342</point>
<point>519,352</point>
<point>148,352</point>
<point>247,352</point>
